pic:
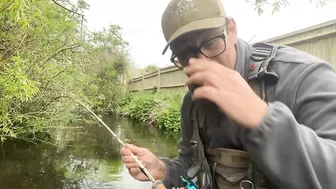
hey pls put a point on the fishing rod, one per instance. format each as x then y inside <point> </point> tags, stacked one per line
<point>141,166</point>
<point>156,184</point>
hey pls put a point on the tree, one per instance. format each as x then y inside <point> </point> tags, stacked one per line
<point>277,4</point>
<point>47,59</point>
<point>150,68</point>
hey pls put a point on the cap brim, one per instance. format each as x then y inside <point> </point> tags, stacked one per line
<point>193,26</point>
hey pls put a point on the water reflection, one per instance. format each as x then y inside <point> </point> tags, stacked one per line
<point>85,158</point>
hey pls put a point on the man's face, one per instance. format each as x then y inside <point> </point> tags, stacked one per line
<point>215,44</point>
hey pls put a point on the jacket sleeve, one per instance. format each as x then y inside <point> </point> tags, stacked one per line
<point>178,167</point>
<point>298,151</point>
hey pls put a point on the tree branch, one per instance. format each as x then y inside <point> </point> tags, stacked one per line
<point>6,6</point>
<point>67,8</point>
<point>58,52</point>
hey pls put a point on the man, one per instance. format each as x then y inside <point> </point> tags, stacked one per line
<point>282,136</point>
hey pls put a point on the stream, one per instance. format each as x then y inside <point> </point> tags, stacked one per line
<point>86,157</point>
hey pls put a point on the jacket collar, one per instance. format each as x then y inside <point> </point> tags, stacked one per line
<point>243,50</point>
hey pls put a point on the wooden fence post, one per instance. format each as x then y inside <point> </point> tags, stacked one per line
<point>143,82</point>
<point>159,80</point>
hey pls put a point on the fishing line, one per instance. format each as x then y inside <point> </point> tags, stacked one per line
<point>142,167</point>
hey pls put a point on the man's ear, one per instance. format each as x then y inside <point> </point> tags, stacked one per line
<point>232,29</point>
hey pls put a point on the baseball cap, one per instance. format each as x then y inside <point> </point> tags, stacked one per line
<point>183,16</point>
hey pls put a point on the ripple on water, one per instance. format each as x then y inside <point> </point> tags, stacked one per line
<point>89,184</point>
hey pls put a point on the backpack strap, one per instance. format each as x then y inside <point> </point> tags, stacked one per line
<point>200,170</point>
<point>262,55</point>
<point>259,73</point>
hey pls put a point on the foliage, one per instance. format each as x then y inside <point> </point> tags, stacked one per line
<point>158,109</point>
<point>47,59</point>
<point>277,4</point>
<point>110,67</point>
<point>149,69</point>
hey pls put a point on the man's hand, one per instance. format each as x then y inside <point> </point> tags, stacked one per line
<point>153,164</point>
<point>226,88</point>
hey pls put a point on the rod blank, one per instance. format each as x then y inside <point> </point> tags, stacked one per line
<point>142,167</point>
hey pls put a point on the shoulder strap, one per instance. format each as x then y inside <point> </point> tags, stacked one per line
<point>200,170</point>
<point>262,54</point>
<point>259,73</point>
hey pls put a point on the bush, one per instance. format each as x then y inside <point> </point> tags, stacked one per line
<point>161,110</point>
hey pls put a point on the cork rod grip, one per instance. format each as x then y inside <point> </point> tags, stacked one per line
<point>158,185</point>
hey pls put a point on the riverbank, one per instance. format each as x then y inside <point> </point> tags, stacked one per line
<point>161,109</point>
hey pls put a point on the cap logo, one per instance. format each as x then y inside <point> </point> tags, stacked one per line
<point>183,8</point>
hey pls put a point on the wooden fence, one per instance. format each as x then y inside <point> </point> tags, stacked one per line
<point>318,40</point>
<point>169,78</point>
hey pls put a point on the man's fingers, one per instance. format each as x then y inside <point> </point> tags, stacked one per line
<point>197,65</point>
<point>136,173</point>
<point>125,152</point>
<point>134,149</point>
<point>207,92</point>
<point>132,165</point>
<point>204,78</point>
<point>128,159</point>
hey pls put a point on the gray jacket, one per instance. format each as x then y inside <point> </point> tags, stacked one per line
<point>295,144</point>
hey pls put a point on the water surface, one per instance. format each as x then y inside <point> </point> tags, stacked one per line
<point>84,158</point>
